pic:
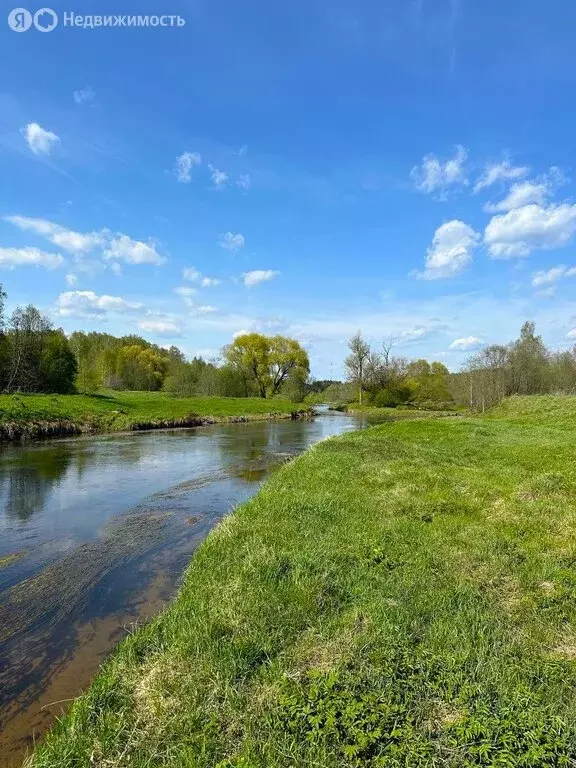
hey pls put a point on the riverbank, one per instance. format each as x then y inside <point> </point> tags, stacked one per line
<point>396,414</point>
<point>43,416</point>
<point>402,595</point>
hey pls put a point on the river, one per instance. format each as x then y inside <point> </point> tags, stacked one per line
<point>103,528</point>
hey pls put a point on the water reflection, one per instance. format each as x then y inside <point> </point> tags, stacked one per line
<point>99,520</point>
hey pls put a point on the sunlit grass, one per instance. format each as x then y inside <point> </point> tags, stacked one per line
<point>112,411</point>
<point>402,596</point>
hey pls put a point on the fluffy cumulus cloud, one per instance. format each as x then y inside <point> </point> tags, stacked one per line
<point>571,334</point>
<point>123,248</point>
<point>84,95</point>
<point>114,246</point>
<point>451,250</point>
<point>468,342</point>
<point>192,274</point>
<point>529,228</point>
<point>67,239</point>
<point>232,242</point>
<point>185,164</point>
<point>434,176</point>
<point>219,178</point>
<point>18,257</point>
<point>40,141</point>
<point>521,194</point>
<point>500,172</point>
<point>161,327</point>
<point>257,276</point>
<point>552,276</point>
<point>89,304</point>
<point>529,191</point>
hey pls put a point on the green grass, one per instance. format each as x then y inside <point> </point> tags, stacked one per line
<point>401,596</point>
<point>115,411</point>
<point>396,414</point>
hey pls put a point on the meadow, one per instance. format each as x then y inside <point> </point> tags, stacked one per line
<point>36,415</point>
<point>399,596</point>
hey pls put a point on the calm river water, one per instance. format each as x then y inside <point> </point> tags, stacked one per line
<point>103,528</point>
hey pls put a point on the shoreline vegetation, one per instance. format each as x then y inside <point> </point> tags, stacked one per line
<point>400,595</point>
<point>39,416</point>
<point>397,413</point>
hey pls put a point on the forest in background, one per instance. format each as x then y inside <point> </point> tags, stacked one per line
<point>522,367</point>
<point>37,357</point>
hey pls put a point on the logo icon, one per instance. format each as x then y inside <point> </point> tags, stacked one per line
<point>45,20</point>
<point>19,20</point>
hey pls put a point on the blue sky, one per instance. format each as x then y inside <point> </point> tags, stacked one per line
<point>401,168</point>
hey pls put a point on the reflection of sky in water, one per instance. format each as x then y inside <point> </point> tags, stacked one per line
<point>56,494</point>
<point>62,501</point>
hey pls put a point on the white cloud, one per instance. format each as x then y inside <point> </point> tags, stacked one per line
<point>469,342</point>
<point>519,195</point>
<point>232,242</point>
<point>529,191</point>
<point>219,178</point>
<point>185,163</point>
<point>166,328</point>
<point>207,282</point>
<point>185,291</point>
<point>433,175</point>
<point>67,239</point>
<point>532,227</point>
<point>18,257</point>
<point>84,95</point>
<point>552,275</point>
<point>244,181</point>
<point>192,274</point>
<point>451,250</point>
<point>571,334</point>
<point>40,141</point>
<point>201,309</point>
<point>71,279</point>
<point>503,171</point>
<point>257,276</point>
<point>123,248</point>
<point>414,333</point>
<point>89,304</point>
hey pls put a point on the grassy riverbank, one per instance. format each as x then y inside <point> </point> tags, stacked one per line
<point>396,414</point>
<point>401,596</point>
<point>47,415</point>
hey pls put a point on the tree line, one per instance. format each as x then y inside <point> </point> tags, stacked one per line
<point>524,367</point>
<point>383,379</point>
<point>35,356</point>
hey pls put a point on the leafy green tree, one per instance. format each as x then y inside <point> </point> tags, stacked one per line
<point>28,332</point>
<point>357,361</point>
<point>266,361</point>
<point>58,365</point>
<point>141,368</point>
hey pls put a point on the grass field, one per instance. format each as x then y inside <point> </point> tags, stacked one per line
<point>401,596</point>
<point>110,411</point>
<point>395,414</point>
